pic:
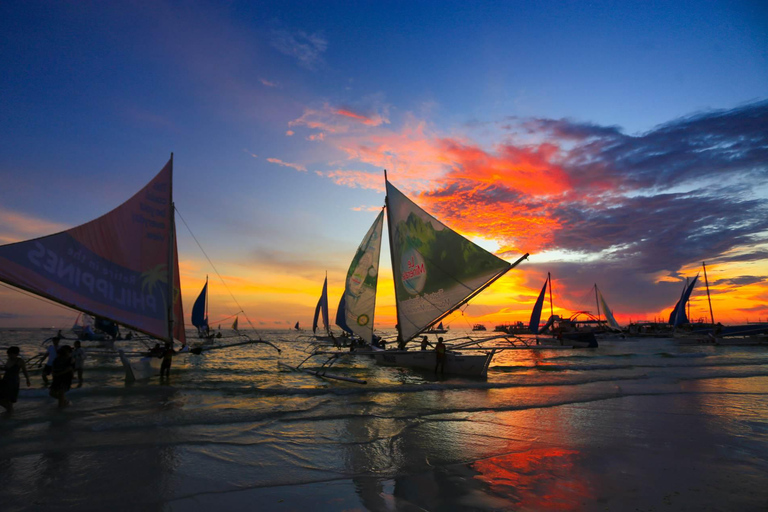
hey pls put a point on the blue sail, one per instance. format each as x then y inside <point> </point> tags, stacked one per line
<point>322,305</point>
<point>341,314</point>
<point>533,325</point>
<point>678,315</point>
<point>199,319</point>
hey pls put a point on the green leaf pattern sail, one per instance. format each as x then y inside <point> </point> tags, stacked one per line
<point>360,292</point>
<point>435,269</point>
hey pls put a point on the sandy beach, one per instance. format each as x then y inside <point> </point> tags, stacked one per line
<point>633,425</point>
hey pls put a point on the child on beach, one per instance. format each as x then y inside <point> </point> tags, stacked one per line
<point>78,355</point>
<point>63,369</point>
<point>9,385</point>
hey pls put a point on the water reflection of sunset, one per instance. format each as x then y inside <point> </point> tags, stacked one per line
<point>537,478</point>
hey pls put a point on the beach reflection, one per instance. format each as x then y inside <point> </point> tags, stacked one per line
<point>435,453</point>
<point>539,478</point>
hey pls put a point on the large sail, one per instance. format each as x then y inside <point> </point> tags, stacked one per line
<point>435,269</point>
<point>115,267</point>
<point>358,302</point>
<point>533,324</point>
<point>322,307</point>
<point>612,323</point>
<point>678,315</point>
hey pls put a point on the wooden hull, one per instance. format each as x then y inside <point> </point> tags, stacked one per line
<point>455,364</point>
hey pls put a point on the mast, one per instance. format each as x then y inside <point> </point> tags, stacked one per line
<point>392,256</point>
<point>171,257</point>
<point>326,320</point>
<point>709,299</point>
<point>206,300</point>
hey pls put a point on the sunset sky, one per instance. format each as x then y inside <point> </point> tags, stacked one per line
<point>620,143</point>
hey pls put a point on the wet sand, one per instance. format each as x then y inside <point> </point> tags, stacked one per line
<point>648,426</point>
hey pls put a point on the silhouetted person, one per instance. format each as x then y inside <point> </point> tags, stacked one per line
<point>165,366</point>
<point>440,355</point>
<point>9,385</point>
<point>63,370</point>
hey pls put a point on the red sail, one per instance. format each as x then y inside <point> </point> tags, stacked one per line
<point>115,266</point>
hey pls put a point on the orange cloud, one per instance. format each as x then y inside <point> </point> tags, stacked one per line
<point>16,226</point>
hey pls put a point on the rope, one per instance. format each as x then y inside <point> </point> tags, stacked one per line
<point>215,270</point>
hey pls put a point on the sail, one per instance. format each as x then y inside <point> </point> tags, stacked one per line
<point>612,323</point>
<point>322,306</point>
<point>296,326</point>
<point>199,318</point>
<point>435,269</point>
<point>678,315</point>
<point>115,267</point>
<point>234,325</point>
<point>358,302</point>
<point>533,324</point>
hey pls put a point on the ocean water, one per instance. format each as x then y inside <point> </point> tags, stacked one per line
<point>639,424</point>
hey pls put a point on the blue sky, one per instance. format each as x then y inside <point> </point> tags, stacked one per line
<point>255,98</point>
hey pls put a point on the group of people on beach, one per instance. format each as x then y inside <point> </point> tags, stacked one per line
<point>61,365</point>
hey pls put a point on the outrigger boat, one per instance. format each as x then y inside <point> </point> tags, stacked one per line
<point>561,332</point>
<point>436,271</point>
<point>122,267</point>
<point>700,333</point>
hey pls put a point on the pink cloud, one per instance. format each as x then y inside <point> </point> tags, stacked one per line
<point>277,161</point>
<point>374,120</point>
<point>355,179</point>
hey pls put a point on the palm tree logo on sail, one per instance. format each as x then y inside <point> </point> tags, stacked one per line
<point>156,278</point>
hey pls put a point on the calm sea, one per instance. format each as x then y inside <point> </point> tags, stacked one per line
<point>634,424</point>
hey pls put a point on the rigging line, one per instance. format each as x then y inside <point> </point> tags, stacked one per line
<point>216,270</point>
<point>37,297</point>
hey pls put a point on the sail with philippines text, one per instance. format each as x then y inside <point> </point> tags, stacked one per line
<point>122,266</point>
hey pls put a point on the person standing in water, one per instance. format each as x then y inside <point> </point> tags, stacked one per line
<point>63,370</point>
<point>9,385</point>
<point>53,352</point>
<point>78,356</point>
<point>165,366</point>
<point>440,355</point>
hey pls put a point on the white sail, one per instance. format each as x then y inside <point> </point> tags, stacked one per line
<point>435,269</point>
<point>356,309</point>
<point>612,323</point>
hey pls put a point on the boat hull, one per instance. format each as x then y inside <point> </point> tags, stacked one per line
<point>455,363</point>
